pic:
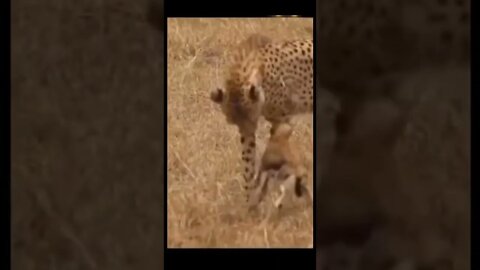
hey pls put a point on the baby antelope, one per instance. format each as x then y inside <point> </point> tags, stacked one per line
<point>281,166</point>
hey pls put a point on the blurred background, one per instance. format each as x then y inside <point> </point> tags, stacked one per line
<point>87,135</point>
<point>395,183</point>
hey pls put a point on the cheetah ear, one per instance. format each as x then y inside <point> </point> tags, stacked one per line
<point>217,95</point>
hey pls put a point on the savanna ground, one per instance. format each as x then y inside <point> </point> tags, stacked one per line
<point>206,201</point>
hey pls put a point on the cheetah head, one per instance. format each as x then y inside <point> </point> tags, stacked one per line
<point>241,103</point>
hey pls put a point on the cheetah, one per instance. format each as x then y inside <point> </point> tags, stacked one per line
<point>281,165</point>
<point>269,79</point>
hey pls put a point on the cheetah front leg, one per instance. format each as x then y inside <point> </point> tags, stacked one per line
<point>248,143</point>
<point>257,194</point>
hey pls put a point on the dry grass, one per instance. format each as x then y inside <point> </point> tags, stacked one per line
<point>205,197</point>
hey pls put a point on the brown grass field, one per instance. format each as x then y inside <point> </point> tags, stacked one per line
<point>206,202</point>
